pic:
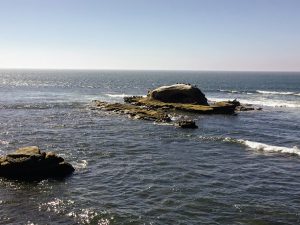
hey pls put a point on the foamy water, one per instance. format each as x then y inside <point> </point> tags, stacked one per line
<point>261,102</point>
<point>257,146</point>
<point>270,148</point>
<point>277,92</point>
<point>118,95</point>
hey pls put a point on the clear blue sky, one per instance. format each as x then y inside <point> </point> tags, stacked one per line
<point>151,34</point>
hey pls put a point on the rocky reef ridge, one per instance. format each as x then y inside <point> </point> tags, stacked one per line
<point>164,102</point>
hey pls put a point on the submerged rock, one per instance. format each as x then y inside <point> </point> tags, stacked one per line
<point>178,93</point>
<point>187,124</point>
<point>31,163</point>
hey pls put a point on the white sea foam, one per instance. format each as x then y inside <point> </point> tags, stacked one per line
<point>4,142</point>
<point>277,92</point>
<point>117,95</point>
<point>121,95</point>
<point>81,164</point>
<point>258,146</point>
<point>229,91</point>
<point>269,148</point>
<point>263,102</point>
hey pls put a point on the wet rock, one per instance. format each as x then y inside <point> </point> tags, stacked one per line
<point>187,124</point>
<point>134,111</point>
<point>178,93</point>
<point>131,99</point>
<point>234,102</point>
<point>243,107</point>
<point>30,163</point>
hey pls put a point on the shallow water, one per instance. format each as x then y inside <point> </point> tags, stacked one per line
<point>232,170</point>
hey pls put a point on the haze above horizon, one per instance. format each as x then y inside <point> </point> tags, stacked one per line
<point>228,35</point>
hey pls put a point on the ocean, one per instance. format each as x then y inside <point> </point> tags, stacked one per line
<point>242,169</point>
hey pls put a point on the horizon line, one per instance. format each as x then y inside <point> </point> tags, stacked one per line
<point>183,70</point>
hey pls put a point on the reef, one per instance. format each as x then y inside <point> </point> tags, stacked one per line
<point>164,102</point>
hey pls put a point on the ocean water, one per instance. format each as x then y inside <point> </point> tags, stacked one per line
<point>242,169</point>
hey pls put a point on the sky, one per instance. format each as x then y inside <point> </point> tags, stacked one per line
<point>241,35</point>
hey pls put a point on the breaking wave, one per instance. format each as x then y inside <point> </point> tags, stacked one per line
<point>117,95</point>
<point>258,146</point>
<point>265,147</point>
<point>263,102</point>
<point>229,91</point>
<point>80,164</point>
<point>277,92</point>
<point>269,148</point>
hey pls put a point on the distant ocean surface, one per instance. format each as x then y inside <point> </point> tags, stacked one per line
<point>242,169</point>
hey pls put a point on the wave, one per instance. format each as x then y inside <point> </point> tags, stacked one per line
<point>277,92</point>
<point>235,92</point>
<point>260,92</point>
<point>81,164</point>
<point>117,95</point>
<point>229,91</point>
<point>269,148</point>
<point>262,102</point>
<point>258,146</point>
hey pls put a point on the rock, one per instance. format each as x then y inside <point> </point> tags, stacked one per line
<point>30,150</point>
<point>245,108</point>
<point>131,99</point>
<point>235,102</point>
<point>242,107</point>
<point>30,163</point>
<point>134,111</point>
<point>176,99</point>
<point>187,124</point>
<point>178,93</point>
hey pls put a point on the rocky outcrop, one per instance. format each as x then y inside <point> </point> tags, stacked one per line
<point>174,100</point>
<point>30,163</point>
<point>216,108</point>
<point>178,93</point>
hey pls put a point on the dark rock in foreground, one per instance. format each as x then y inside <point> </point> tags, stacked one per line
<point>30,163</point>
<point>178,93</point>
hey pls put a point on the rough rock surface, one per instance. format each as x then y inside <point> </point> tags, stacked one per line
<point>135,112</point>
<point>31,163</point>
<point>178,93</point>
